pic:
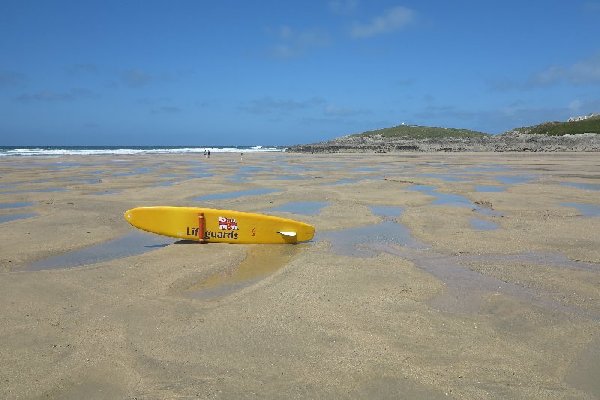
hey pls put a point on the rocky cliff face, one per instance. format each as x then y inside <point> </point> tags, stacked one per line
<point>512,141</point>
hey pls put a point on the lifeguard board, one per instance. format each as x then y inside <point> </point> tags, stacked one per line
<point>218,226</point>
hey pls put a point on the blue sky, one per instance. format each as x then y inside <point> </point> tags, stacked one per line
<point>287,72</point>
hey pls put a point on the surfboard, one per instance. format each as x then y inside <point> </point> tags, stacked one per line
<point>208,225</point>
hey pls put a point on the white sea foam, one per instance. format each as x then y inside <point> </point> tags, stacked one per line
<point>58,151</point>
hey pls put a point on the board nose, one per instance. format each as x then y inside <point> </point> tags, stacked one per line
<point>128,215</point>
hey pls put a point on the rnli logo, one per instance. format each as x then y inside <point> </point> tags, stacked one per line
<point>228,224</point>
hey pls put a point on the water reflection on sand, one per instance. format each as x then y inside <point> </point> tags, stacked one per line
<point>260,262</point>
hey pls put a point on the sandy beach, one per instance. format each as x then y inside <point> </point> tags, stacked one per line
<point>465,276</point>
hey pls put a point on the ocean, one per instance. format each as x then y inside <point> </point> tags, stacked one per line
<point>27,151</point>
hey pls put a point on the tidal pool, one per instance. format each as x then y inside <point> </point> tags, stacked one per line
<point>343,181</point>
<point>483,224</point>
<point>444,177</point>
<point>14,217</point>
<point>489,188</point>
<point>354,242</point>
<point>513,179</point>
<point>443,199</point>
<point>135,171</point>
<point>105,192</point>
<point>367,169</point>
<point>288,177</point>
<point>165,183</point>
<point>455,200</point>
<point>245,172</point>
<point>44,190</point>
<point>131,244</point>
<point>82,181</point>
<point>584,186</point>
<point>301,207</point>
<point>19,204</point>
<point>387,212</point>
<point>296,168</point>
<point>487,211</point>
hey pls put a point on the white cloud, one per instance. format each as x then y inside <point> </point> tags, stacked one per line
<point>392,20</point>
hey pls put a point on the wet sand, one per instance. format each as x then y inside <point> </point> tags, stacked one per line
<point>400,295</point>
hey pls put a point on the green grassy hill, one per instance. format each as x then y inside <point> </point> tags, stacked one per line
<point>421,132</point>
<point>590,125</point>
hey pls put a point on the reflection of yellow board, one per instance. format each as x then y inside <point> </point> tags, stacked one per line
<point>220,226</point>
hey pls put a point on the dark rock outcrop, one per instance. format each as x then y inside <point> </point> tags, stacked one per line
<point>511,141</point>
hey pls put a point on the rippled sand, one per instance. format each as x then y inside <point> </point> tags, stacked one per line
<point>431,276</point>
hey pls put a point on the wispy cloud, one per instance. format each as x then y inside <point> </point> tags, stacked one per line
<point>136,78</point>
<point>404,82</point>
<point>160,105</point>
<point>392,20</point>
<point>582,106</point>
<point>82,69</point>
<point>91,125</point>
<point>292,43</point>
<point>269,105</point>
<point>581,73</point>
<point>343,7</point>
<point>585,72</point>
<point>591,6</point>
<point>11,79</point>
<point>166,110</point>
<point>54,96</point>
<point>443,112</point>
<point>338,111</point>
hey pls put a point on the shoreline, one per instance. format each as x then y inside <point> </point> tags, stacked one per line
<point>399,295</point>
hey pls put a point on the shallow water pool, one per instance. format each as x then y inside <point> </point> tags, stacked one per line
<point>302,207</point>
<point>131,244</point>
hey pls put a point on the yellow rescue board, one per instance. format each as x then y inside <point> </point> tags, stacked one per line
<point>218,226</point>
